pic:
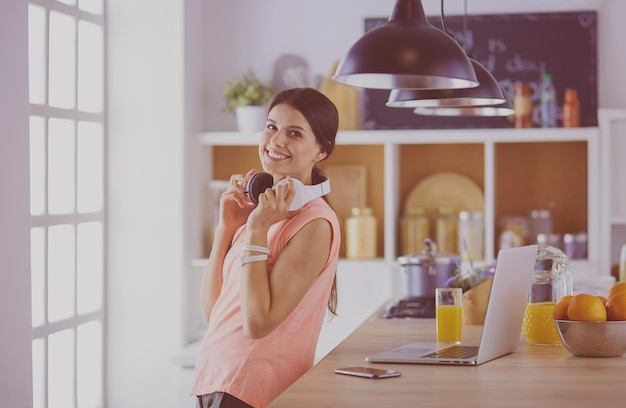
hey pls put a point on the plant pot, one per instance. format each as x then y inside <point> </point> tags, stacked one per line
<point>475,302</point>
<point>251,118</point>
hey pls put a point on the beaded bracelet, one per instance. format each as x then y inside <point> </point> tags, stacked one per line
<point>256,248</point>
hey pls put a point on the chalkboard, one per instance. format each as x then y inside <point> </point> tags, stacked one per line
<point>514,48</point>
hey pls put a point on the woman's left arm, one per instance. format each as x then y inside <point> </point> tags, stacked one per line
<point>267,300</point>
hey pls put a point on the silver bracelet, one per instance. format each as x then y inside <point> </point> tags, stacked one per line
<point>247,259</point>
<point>256,248</point>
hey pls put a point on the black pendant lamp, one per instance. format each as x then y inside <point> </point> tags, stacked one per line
<point>488,92</point>
<point>487,99</point>
<point>406,52</point>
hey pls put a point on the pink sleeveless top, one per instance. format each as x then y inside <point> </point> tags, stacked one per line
<point>258,370</point>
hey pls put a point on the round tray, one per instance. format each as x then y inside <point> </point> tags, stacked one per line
<point>446,189</point>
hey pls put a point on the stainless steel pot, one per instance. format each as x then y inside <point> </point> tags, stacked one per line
<point>425,271</point>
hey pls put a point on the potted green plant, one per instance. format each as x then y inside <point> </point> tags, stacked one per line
<point>247,95</point>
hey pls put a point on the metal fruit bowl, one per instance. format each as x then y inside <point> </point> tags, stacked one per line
<point>593,339</point>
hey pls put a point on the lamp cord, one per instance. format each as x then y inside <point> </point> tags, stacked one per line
<point>445,28</point>
<point>464,21</point>
<point>443,20</point>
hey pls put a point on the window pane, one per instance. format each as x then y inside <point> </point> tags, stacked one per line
<point>89,267</point>
<point>37,54</point>
<point>39,372</point>
<point>37,276</point>
<point>70,2</point>
<point>62,60</point>
<point>61,256</point>
<point>89,365</point>
<point>91,6</point>
<point>90,173</point>
<point>61,369</point>
<point>90,67</point>
<point>37,165</point>
<point>61,159</point>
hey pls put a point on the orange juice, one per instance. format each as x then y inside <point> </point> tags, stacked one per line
<point>537,327</point>
<point>449,323</point>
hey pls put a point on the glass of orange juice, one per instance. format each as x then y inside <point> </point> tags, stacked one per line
<point>448,314</point>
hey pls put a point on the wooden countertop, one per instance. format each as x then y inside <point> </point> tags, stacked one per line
<point>532,376</point>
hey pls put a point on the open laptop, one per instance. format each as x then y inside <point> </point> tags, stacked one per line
<point>503,319</point>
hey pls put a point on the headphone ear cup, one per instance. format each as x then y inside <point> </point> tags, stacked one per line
<point>258,183</point>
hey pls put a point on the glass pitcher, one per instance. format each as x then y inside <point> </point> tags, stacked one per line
<point>551,281</point>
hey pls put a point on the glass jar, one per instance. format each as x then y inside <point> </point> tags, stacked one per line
<point>414,230</point>
<point>361,234</point>
<point>470,232</point>
<point>446,230</point>
<point>539,222</point>
<point>575,245</point>
<point>581,245</point>
<point>569,245</point>
<point>551,281</point>
<point>514,231</point>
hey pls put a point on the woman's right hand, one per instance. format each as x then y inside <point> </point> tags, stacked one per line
<point>235,206</point>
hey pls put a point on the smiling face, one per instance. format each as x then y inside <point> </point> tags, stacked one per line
<point>288,146</point>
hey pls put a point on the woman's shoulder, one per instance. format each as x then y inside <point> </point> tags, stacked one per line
<point>318,208</point>
<point>313,210</point>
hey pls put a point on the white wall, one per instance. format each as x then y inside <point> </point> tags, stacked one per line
<point>240,33</point>
<point>15,323</point>
<point>145,167</point>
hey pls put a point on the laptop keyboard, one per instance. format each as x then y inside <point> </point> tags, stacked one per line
<point>456,352</point>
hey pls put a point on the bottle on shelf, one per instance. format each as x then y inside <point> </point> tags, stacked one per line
<point>548,102</point>
<point>471,235</point>
<point>571,109</point>
<point>361,234</point>
<point>446,230</point>
<point>523,105</point>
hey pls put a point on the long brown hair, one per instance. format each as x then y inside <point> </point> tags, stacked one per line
<point>322,116</point>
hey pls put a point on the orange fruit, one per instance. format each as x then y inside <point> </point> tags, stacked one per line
<point>560,310</point>
<point>616,306</point>
<point>603,299</point>
<point>586,307</point>
<point>617,288</point>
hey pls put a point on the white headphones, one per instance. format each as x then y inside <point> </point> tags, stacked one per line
<point>259,182</point>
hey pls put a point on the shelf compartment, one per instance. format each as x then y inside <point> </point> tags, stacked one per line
<point>542,176</point>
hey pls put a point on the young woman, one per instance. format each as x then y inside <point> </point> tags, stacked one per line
<point>271,272</point>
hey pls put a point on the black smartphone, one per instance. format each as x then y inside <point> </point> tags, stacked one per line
<point>368,372</point>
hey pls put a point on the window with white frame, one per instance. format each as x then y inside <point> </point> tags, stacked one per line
<point>67,179</point>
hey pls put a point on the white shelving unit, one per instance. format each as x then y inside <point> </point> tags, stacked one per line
<point>393,139</point>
